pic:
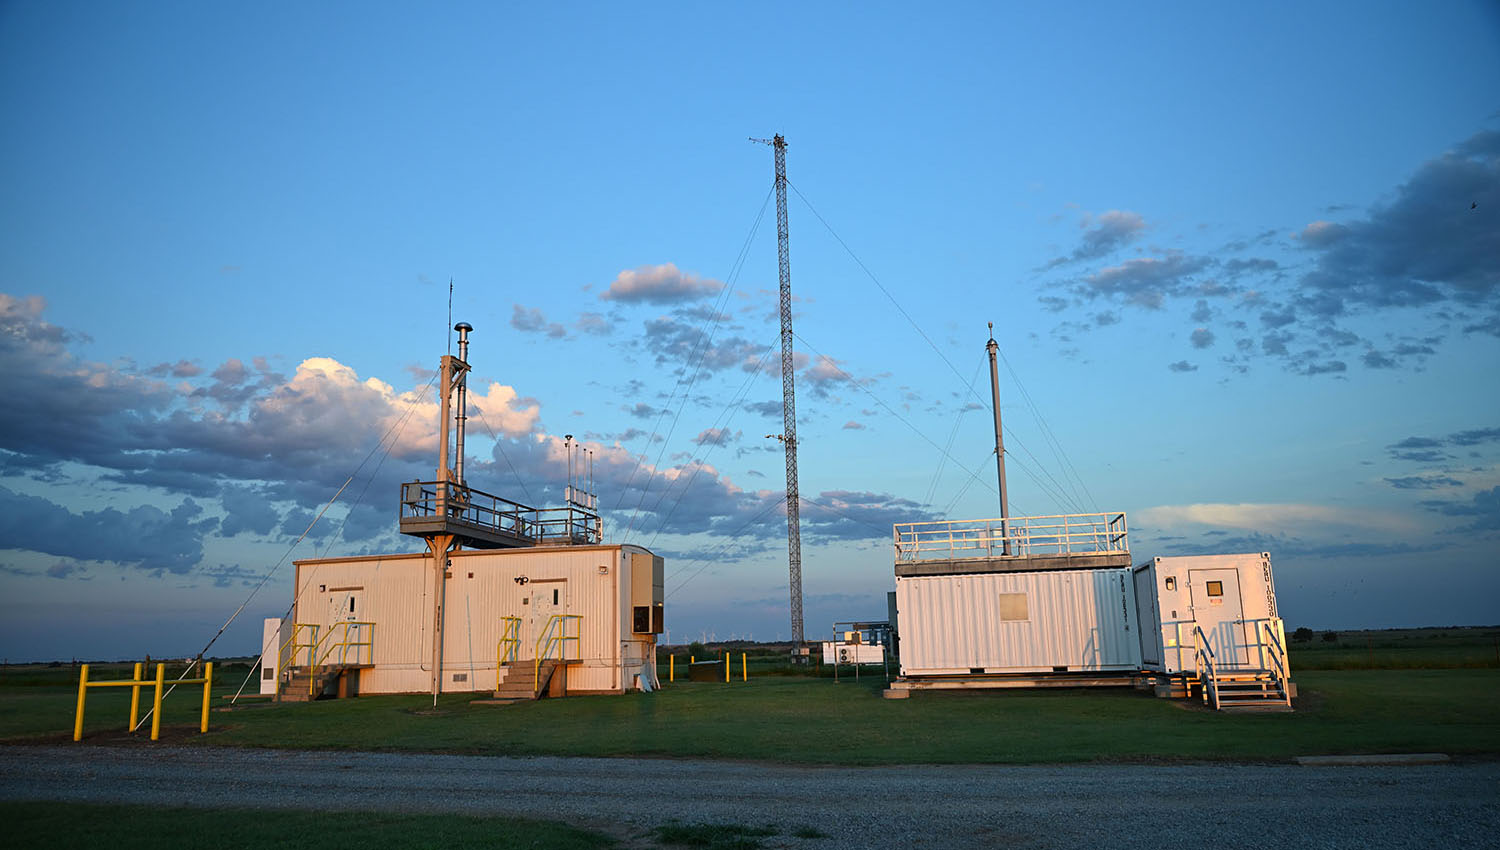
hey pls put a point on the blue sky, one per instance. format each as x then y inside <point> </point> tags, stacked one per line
<point>1243,263</point>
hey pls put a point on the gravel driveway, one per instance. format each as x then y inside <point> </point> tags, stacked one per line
<point>1115,806</point>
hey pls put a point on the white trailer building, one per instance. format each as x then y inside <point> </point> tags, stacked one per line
<point>508,598</point>
<point>592,612</point>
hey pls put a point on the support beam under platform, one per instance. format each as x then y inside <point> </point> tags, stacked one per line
<point>1021,680</point>
<point>1014,564</point>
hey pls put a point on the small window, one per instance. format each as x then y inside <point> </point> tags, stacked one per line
<point>1171,582</point>
<point>1216,588</point>
<point>554,596</point>
<point>351,605</point>
<point>1013,606</point>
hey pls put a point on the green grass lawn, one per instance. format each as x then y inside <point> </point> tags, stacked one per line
<point>62,826</point>
<point>815,721</point>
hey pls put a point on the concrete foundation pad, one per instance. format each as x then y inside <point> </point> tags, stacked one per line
<point>1378,759</point>
<point>896,693</point>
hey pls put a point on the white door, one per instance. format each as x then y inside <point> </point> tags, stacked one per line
<point>1215,596</point>
<point>339,645</point>
<point>547,599</point>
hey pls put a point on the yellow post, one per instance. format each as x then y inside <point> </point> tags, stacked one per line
<point>726,666</point>
<point>208,679</point>
<point>83,690</point>
<point>161,679</point>
<point>692,659</point>
<point>671,668</point>
<point>744,673</point>
<point>135,697</point>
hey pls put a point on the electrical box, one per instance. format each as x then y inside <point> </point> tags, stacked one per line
<point>646,579</point>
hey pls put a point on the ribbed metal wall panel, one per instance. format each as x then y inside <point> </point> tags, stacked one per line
<point>397,596</point>
<point>1083,620</point>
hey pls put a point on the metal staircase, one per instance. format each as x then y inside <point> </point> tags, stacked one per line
<point>529,680</point>
<point>304,684</point>
<point>538,676</point>
<point>1262,686</point>
<point>333,655</point>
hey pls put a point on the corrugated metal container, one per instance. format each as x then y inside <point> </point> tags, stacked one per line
<point>1227,596</point>
<point>482,588</point>
<point>1039,622</point>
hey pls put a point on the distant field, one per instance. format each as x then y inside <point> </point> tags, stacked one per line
<point>1398,649</point>
<point>792,719</point>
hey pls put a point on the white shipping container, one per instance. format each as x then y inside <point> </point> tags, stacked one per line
<point>1228,597</point>
<point>1024,622</point>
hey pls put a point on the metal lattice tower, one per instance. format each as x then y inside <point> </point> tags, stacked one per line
<point>788,397</point>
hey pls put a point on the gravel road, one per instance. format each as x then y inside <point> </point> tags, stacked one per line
<point>1116,806</point>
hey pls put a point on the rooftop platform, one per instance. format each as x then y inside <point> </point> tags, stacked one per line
<point>1012,545</point>
<point>484,521</point>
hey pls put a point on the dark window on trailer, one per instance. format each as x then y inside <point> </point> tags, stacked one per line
<point>1216,588</point>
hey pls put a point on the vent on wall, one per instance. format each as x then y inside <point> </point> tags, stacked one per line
<point>460,677</point>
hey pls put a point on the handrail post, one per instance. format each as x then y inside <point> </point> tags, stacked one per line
<point>208,679</point>
<point>161,678</point>
<point>135,696</point>
<point>83,690</point>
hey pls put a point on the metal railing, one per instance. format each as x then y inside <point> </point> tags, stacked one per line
<point>1013,537</point>
<point>461,505</point>
<point>135,683</point>
<point>550,640</point>
<point>1270,639</point>
<point>364,650</point>
<point>1204,660</point>
<point>571,525</point>
<point>508,645</point>
<point>320,646</point>
<point>286,655</point>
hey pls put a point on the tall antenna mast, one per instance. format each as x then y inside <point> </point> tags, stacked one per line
<point>788,434</point>
<point>993,347</point>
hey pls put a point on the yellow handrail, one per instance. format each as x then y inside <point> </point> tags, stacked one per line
<point>508,645</point>
<point>285,659</point>
<point>547,640</point>
<point>341,645</point>
<point>345,644</point>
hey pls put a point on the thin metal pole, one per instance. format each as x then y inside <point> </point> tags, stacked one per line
<point>461,415</point>
<point>992,348</point>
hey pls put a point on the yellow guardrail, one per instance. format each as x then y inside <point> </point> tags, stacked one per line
<point>135,683</point>
<point>549,639</point>
<point>508,646</point>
